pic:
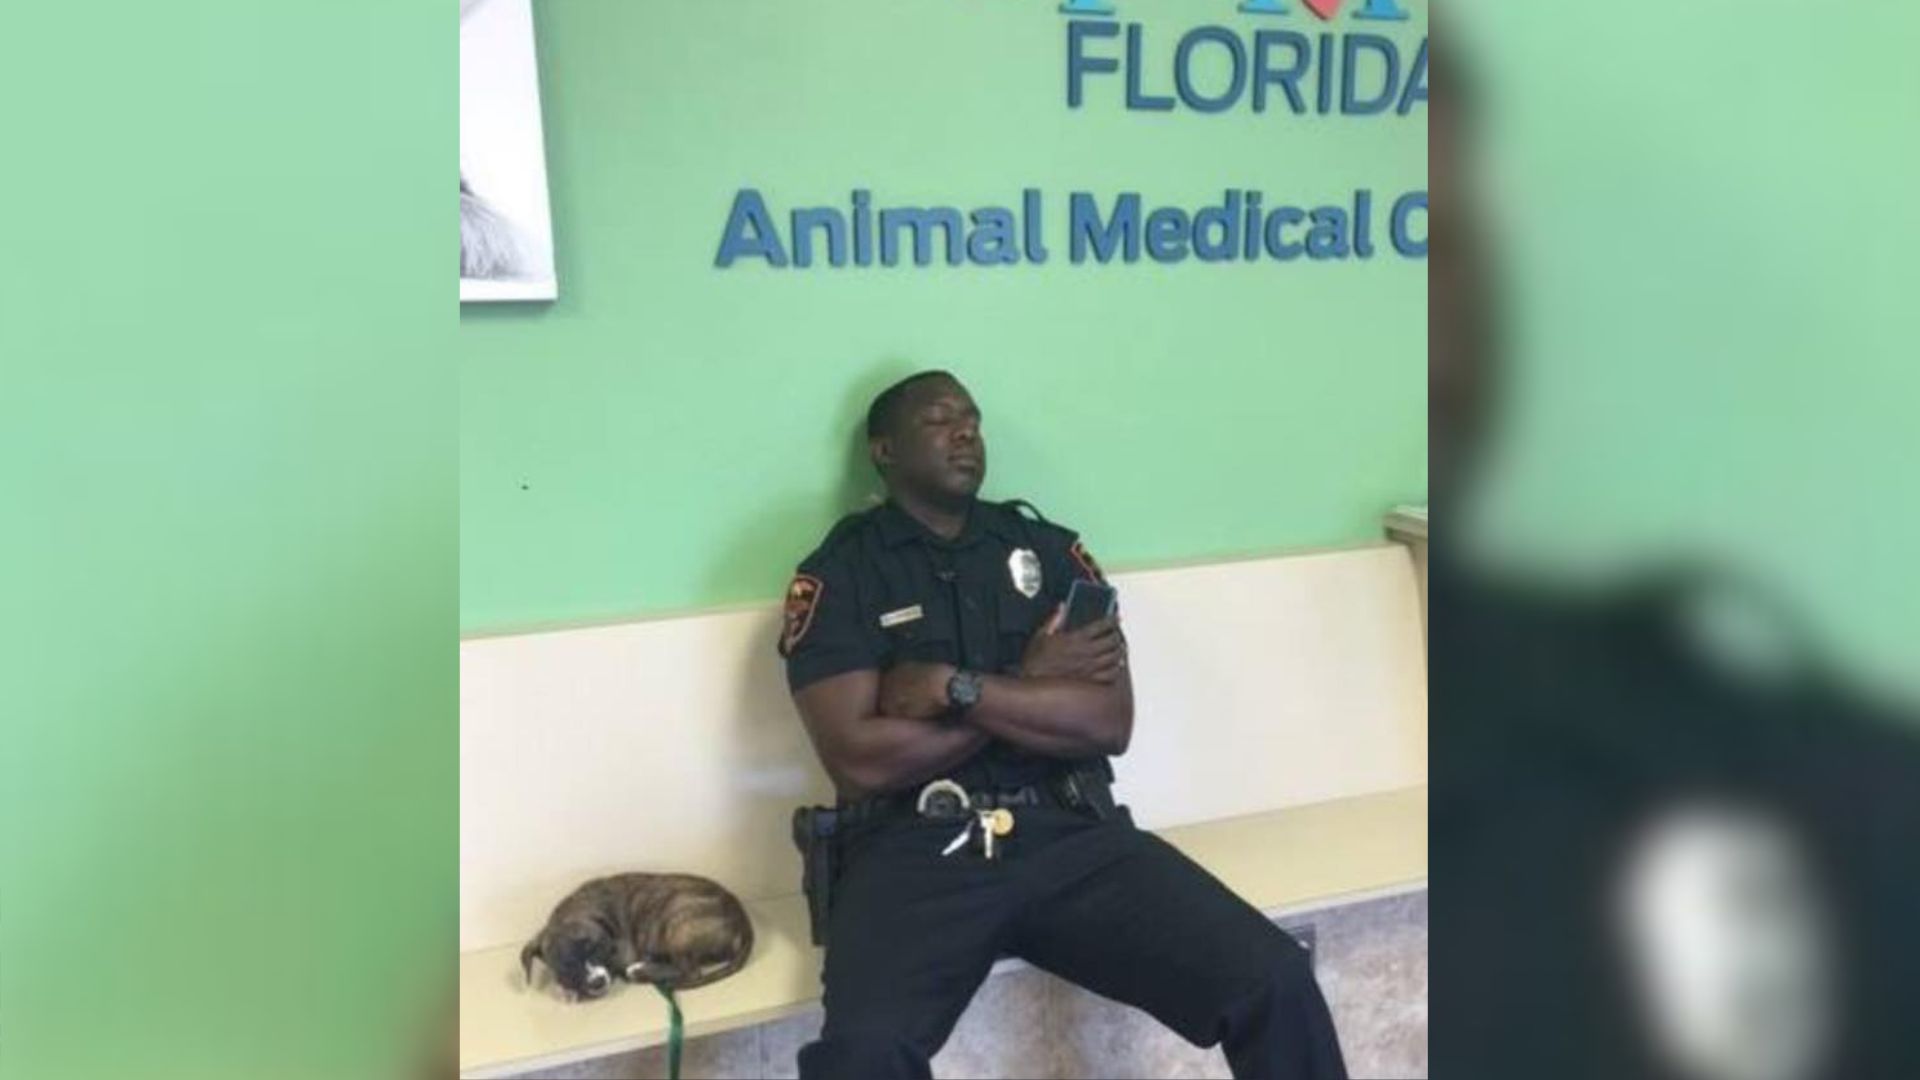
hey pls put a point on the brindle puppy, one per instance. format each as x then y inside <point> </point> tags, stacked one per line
<point>675,930</point>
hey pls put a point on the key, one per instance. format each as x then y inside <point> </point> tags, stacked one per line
<point>955,845</point>
<point>995,823</point>
<point>986,833</point>
<point>1002,822</point>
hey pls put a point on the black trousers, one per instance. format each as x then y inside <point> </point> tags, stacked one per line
<point>1101,904</point>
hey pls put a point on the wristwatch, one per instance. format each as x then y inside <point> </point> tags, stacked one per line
<point>963,690</point>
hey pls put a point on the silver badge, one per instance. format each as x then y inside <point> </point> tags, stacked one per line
<point>1024,566</point>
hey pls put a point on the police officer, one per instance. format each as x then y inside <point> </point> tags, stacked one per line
<point>967,733</point>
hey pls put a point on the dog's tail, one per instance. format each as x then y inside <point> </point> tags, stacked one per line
<point>528,955</point>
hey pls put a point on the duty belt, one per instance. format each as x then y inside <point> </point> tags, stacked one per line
<point>1085,787</point>
<point>941,799</point>
<point>987,815</point>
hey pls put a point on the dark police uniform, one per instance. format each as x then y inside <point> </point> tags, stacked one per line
<point>1075,889</point>
<point>1574,723</point>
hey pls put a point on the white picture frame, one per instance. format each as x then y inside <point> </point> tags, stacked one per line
<point>506,222</point>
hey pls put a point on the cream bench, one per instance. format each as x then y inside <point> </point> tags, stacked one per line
<point>1283,862</point>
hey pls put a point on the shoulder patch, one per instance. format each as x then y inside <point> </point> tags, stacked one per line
<point>1085,560</point>
<point>803,599</point>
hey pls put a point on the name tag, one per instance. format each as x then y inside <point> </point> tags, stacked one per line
<point>905,615</point>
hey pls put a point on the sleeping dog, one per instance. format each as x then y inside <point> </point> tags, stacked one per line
<point>674,930</point>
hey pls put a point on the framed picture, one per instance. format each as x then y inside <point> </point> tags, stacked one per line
<point>506,226</point>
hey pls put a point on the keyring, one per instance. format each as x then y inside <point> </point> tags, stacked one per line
<point>938,787</point>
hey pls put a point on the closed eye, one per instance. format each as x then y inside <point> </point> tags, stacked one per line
<point>943,415</point>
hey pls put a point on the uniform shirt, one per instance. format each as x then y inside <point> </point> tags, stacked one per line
<point>882,588</point>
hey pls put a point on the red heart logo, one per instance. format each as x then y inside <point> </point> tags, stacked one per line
<point>1326,9</point>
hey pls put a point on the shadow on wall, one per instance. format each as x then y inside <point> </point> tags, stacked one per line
<point>771,767</point>
<point>768,771</point>
<point>794,522</point>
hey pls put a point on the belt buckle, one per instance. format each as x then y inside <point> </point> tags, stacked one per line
<point>942,799</point>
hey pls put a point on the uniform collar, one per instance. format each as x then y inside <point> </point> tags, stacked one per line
<point>898,527</point>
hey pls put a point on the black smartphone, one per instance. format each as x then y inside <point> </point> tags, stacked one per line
<point>1088,602</point>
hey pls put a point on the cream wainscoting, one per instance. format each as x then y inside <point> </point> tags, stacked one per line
<point>1261,684</point>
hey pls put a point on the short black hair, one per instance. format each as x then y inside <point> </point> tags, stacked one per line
<point>886,404</point>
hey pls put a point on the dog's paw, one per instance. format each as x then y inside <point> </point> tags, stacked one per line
<point>637,971</point>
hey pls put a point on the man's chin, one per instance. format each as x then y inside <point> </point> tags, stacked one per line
<point>953,490</point>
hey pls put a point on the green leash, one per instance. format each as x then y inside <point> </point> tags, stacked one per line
<point>675,1031</point>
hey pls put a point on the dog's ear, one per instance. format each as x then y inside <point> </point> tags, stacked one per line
<point>528,955</point>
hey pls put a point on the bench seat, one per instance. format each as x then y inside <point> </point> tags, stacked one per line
<point>1283,862</point>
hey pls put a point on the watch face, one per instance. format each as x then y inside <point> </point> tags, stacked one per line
<point>963,689</point>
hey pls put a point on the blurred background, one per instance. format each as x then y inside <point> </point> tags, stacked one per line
<point>1705,221</point>
<point>228,768</point>
<point>1674,766</point>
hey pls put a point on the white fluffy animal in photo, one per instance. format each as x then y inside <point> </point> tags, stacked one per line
<point>490,246</point>
<point>501,239</point>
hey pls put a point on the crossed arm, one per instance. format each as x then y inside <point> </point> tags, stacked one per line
<point>879,731</point>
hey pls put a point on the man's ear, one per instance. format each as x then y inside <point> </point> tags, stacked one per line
<point>880,449</point>
<point>528,955</point>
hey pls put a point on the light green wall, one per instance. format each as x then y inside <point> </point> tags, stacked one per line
<point>228,708</point>
<point>670,435</point>
<point>1710,274</point>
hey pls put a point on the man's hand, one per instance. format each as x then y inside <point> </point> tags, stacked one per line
<point>1094,653</point>
<point>915,690</point>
